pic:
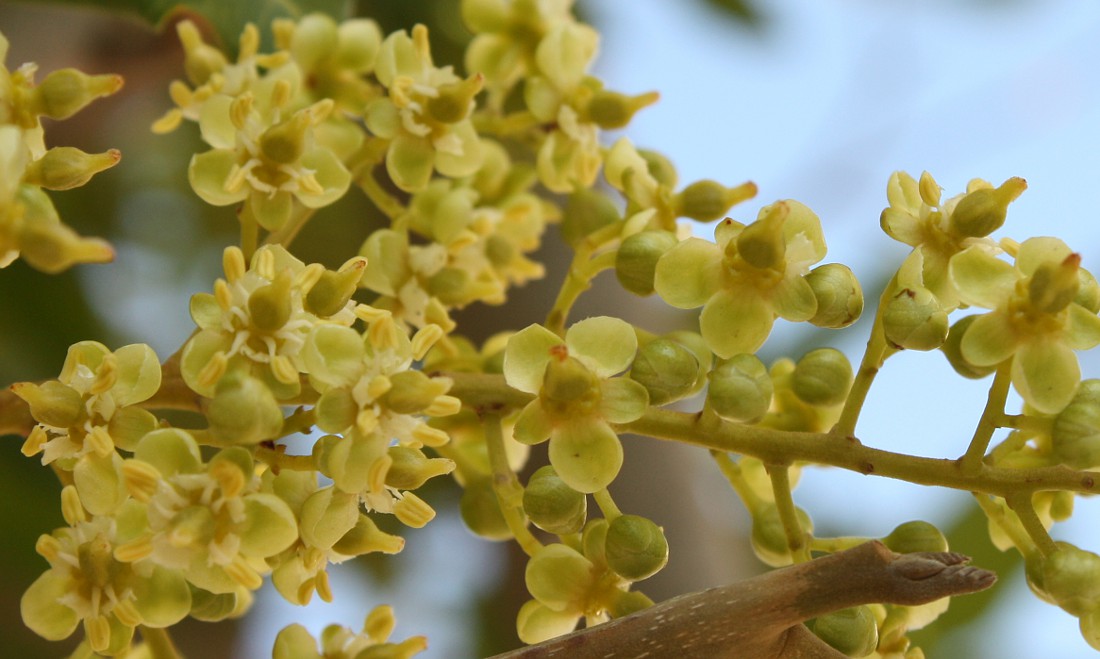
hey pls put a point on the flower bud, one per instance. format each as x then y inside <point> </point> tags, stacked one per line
<point>243,411</point>
<point>952,349</point>
<point>610,110</point>
<point>52,247</point>
<point>707,201</point>
<point>660,167</point>
<point>635,547</point>
<point>201,60</point>
<point>914,320</point>
<point>762,243</point>
<point>269,306</point>
<point>285,142</point>
<point>838,294</point>
<point>1072,578</point>
<point>358,43</point>
<point>982,211</point>
<point>451,286</point>
<point>853,632</point>
<point>566,380</point>
<point>740,388</point>
<point>52,403</point>
<point>1053,286</point>
<point>1075,435</point>
<point>65,167</point>
<point>586,210</point>
<point>915,536</point>
<point>412,392</point>
<point>822,377</point>
<point>480,510</point>
<point>560,578</point>
<point>769,538</point>
<point>411,468</point>
<point>552,505</point>
<point>65,92</point>
<point>455,100</point>
<point>667,370</point>
<point>636,260</point>
<point>593,541</point>
<point>1090,628</point>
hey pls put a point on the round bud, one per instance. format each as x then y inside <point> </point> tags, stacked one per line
<point>707,201</point>
<point>667,370</point>
<point>635,547</point>
<point>769,538</point>
<point>636,260</point>
<point>480,510</point>
<point>358,44</point>
<point>838,294</point>
<point>586,210</point>
<point>610,110</point>
<point>915,536</point>
<point>822,377</point>
<point>914,320</point>
<point>65,92</point>
<point>983,211</point>
<point>1075,434</point>
<point>740,388</point>
<point>660,167</point>
<point>451,286</point>
<point>952,349</point>
<point>594,541</point>
<point>560,578</point>
<point>1072,578</point>
<point>552,505</point>
<point>853,632</point>
<point>1033,572</point>
<point>65,167</point>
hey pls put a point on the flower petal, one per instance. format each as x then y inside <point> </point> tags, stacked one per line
<point>731,323</point>
<point>587,454</point>
<point>534,425</point>
<point>138,374</point>
<point>982,279</point>
<point>208,174</point>
<point>163,599</point>
<point>689,273</point>
<point>604,344</point>
<point>330,173</point>
<point>794,300</point>
<point>270,528</point>
<point>622,400</point>
<point>410,161</point>
<point>1082,328</point>
<point>989,340</point>
<point>334,355</point>
<point>1034,252</point>
<point>1046,374</point>
<point>526,355</point>
<point>42,610</point>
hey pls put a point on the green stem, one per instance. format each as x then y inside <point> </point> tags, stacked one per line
<point>1008,522</point>
<point>159,643</point>
<point>607,504</point>
<point>286,234</point>
<point>788,514</point>
<point>278,459</point>
<point>1022,505</point>
<point>833,545</point>
<point>994,409</point>
<point>732,471</point>
<point>579,280</point>
<point>507,487</point>
<point>874,356</point>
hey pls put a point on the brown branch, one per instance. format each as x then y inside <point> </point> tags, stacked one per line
<point>761,617</point>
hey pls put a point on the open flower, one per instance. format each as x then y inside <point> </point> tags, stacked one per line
<point>1035,320</point>
<point>577,397</point>
<point>752,275</point>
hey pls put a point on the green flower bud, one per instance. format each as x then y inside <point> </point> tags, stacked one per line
<point>285,142</point>
<point>769,539</point>
<point>610,110</point>
<point>635,547</point>
<point>359,41</point>
<point>333,290</point>
<point>1053,286</point>
<point>822,377</point>
<point>52,403</point>
<point>586,210</point>
<point>660,167</point>
<point>412,392</point>
<point>915,536</point>
<point>65,167</point>
<point>694,342</point>
<point>636,260</point>
<point>480,510</point>
<point>411,468</point>
<point>707,201</point>
<point>365,537</point>
<point>1075,434</point>
<point>914,320</point>
<point>594,541</point>
<point>1090,628</point>
<point>65,92</point>
<point>455,100</point>
<point>552,505</point>
<point>499,250</point>
<point>627,602</point>
<point>838,293</point>
<point>47,244</point>
<point>450,286</point>
<point>201,60</point>
<point>327,516</point>
<point>269,306</point>
<point>952,349</point>
<point>210,607</point>
<point>852,632</point>
<point>740,388</point>
<point>567,380</point>
<point>560,578</point>
<point>1072,578</point>
<point>336,410</point>
<point>983,211</point>
<point>243,411</point>
<point>762,243</point>
<point>667,370</point>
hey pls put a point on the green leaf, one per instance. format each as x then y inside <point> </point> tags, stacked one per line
<point>227,18</point>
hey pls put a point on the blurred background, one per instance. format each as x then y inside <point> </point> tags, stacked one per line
<point>817,101</point>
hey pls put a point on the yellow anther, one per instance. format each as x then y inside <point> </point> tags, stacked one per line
<point>424,339</point>
<point>100,441</point>
<point>379,623</point>
<point>222,295</point>
<point>378,386</point>
<point>71,508</point>
<point>233,263</point>
<point>127,613</point>
<point>366,421</point>
<point>413,511</point>
<point>240,571</point>
<point>239,110</point>
<point>135,550</point>
<point>376,474</point>
<point>36,440</point>
<point>214,370</point>
<point>106,375</point>
<point>323,586</point>
<point>429,436</point>
<point>284,369</point>
<point>141,479</point>
<point>369,314</point>
<point>48,547</point>
<point>444,406</point>
<point>98,631</point>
